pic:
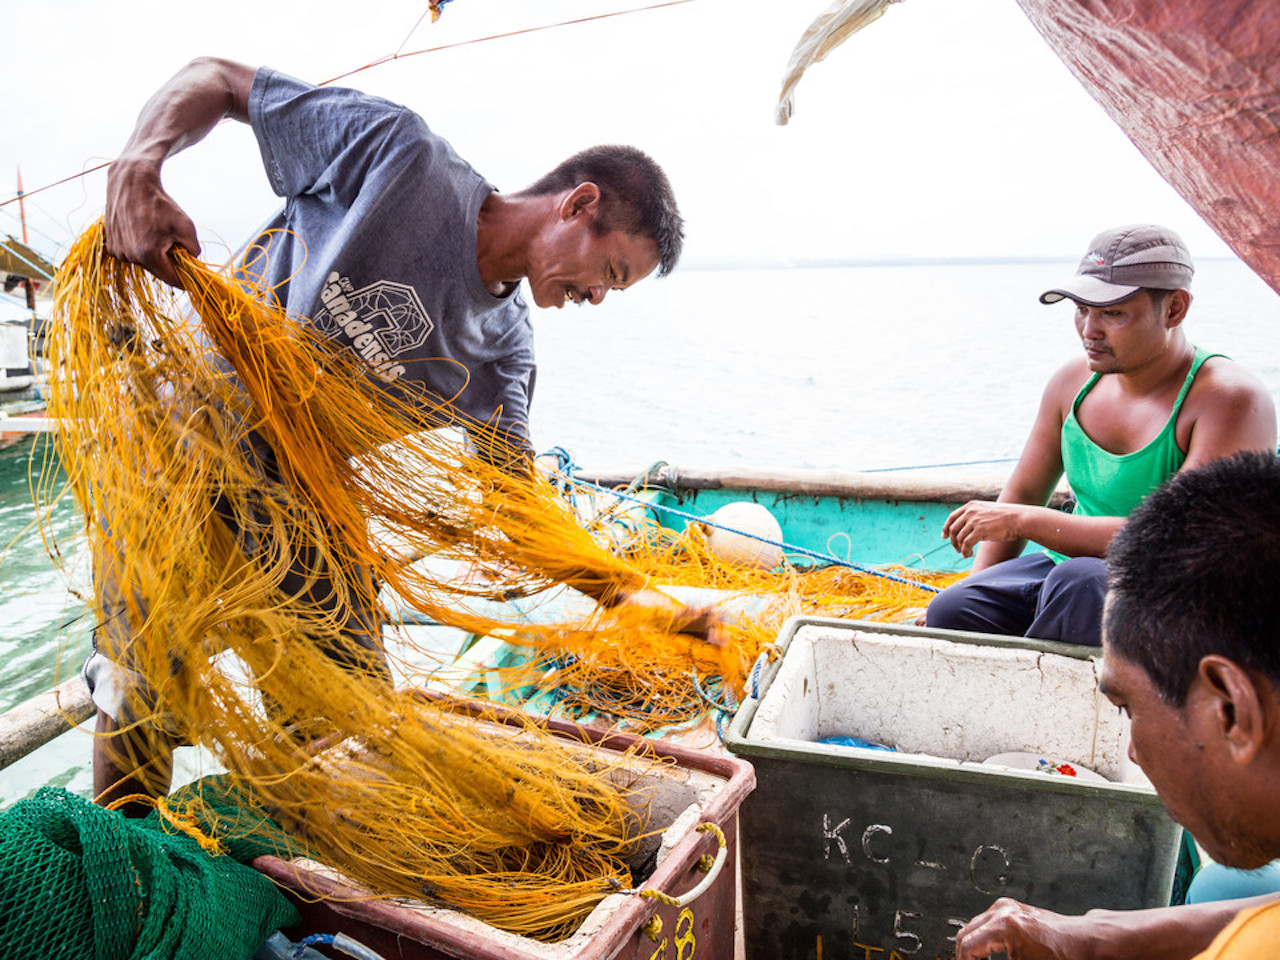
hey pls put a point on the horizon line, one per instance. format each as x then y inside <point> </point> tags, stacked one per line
<point>784,263</point>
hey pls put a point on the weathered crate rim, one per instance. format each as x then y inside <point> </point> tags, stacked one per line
<point>738,741</point>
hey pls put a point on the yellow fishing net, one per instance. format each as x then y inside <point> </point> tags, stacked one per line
<point>247,487</point>
<point>651,680</point>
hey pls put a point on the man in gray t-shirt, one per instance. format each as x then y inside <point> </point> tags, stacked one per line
<point>391,242</point>
<point>396,248</point>
<point>397,211</point>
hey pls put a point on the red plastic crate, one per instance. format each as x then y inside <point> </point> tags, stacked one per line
<point>630,927</point>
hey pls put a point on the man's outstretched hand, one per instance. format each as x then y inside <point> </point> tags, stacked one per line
<point>704,622</point>
<point>1026,933</point>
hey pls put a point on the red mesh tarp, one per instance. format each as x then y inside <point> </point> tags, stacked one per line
<point>1196,86</point>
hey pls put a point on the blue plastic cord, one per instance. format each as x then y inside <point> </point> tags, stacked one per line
<point>326,939</point>
<point>565,468</point>
<point>725,705</point>
<point>789,548</point>
<point>340,942</point>
<point>723,710</point>
<point>755,673</point>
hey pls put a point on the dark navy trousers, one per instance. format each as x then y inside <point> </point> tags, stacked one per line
<point>1029,596</point>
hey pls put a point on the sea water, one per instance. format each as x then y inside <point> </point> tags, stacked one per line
<point>828,368</point>
<point>849,368</point>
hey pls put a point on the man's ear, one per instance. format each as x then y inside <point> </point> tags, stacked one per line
<point>1238,706</point>
<point>1176,305</point>
<point>584,198</point>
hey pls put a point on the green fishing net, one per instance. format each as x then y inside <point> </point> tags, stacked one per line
<point>77,880</point>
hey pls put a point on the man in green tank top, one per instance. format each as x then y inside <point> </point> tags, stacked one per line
<point>1140,404</point>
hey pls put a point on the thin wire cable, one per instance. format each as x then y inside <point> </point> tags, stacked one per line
<point>789,547</point>
<point>408,36</point>
<point>387,59</point>
<point>57,183</point>
<point>498,36</point>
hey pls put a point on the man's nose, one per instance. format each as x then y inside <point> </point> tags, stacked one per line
<point>596,294</point>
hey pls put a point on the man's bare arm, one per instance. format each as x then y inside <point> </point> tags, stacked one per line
<point>143,223</point>
<point>1162,933</point>
<point>1030,484</point>
<point>1230,411</point>
<point>999,524</point>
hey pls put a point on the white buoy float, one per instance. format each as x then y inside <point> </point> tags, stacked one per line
<point>732,547</point>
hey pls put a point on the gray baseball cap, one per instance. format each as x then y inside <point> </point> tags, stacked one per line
<point>1122,261</point>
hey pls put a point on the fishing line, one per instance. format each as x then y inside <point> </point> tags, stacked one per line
<point>57,183</point>
<point>930,466</point>
<point>789,547</point>
<point>498,36</point>
<point>387,59</point>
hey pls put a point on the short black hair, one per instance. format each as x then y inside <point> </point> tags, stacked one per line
<point>635,196</point>
<point>1158,297</point>
<point>1195,572</point>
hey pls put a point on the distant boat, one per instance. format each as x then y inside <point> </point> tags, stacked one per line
<point>26,289</point>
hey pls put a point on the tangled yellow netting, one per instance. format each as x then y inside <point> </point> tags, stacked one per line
<point>241,480</point>
<point>656,680</point>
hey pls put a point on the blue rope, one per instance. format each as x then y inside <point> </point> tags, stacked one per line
<point>340,942</point>
<point>325,939</point>
<point>755,673</point>
<point>725,705</point>
<point>722,710</point>
<point>790,548</point>
<point>564,468</point>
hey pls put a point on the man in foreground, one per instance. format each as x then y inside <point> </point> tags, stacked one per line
<point>1142,403</point>
<point>397,250</point>
<point>1189,654</point>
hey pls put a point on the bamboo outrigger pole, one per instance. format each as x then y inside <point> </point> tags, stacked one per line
<point>34,723</point>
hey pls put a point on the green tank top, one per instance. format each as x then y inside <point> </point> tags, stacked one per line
<point>1109,484</point>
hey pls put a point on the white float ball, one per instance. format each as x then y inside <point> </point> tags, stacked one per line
<point>733,547</point>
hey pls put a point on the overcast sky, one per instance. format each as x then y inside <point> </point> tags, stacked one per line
<point>946,129</point>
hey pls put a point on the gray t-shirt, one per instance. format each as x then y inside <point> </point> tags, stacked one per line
<point>376,244</point>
